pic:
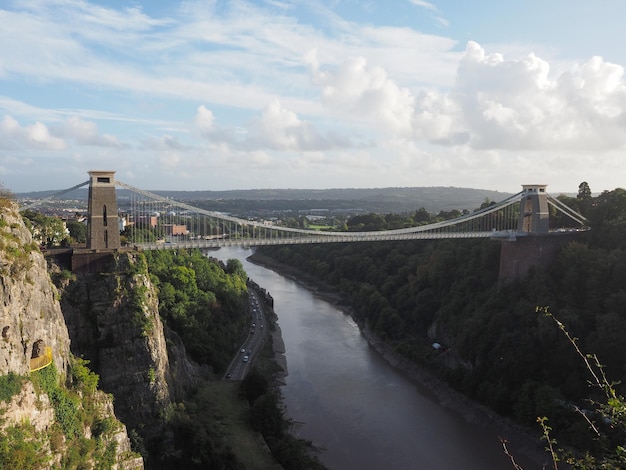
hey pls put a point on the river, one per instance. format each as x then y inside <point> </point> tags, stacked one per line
<point>360,412</point>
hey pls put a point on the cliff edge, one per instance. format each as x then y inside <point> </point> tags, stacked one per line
<point>53,416</point>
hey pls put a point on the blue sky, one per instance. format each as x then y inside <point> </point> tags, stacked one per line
<point>217,95</point>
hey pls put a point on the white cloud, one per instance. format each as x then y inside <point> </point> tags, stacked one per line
<point>496,103</point>
<point>85,133</point>
<point>276,128</point>
<point>165,142</point>
<point>34,136</point>
<point>515,104</point>
<point>204,119</point>
<point>423,4</point>
<point>280,129</point>
<point>367,92</point>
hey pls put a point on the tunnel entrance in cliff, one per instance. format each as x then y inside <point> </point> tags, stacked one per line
<point>41,356</point>
<point>37,349</point>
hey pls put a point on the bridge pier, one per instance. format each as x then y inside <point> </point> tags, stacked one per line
<point>536,246</point>
<point>517,257</point>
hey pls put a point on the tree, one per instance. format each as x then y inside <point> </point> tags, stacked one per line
<point>421,216</point>
<point>234,266</point>
<point>78,231</point>
<point>584,192</point>
<point>606,418</point>
<point>584,196</point>
<point>48,231</point>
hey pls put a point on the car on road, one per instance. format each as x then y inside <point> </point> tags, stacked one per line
<point>245,359</point>
<point>242,351</point>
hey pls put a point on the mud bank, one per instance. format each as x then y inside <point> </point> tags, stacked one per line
<point>523,439</point>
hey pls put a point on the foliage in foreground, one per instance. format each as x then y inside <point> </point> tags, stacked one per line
<point>75,409</point>
<point>605,416</point>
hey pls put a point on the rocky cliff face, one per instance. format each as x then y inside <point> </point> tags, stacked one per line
<point>30,315</point>
<point>33,332</point>
<point>114,322</point>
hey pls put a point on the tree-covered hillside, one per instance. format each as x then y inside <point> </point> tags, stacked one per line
<point>496,345</point>
<point>204,303</point>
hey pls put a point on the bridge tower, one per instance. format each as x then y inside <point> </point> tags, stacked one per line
<point>102,222</point>
<point>538,245</point>
<point>534,214</point>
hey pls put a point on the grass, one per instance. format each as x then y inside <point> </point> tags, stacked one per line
<point>321,227</point>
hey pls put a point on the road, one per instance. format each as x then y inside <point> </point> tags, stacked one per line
<point>251,347</point>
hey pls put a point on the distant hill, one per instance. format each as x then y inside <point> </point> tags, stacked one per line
<point>433,199</point>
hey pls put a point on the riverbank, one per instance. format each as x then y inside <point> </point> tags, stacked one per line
<point>522,441</point>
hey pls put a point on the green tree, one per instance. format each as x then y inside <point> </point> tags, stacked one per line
<point>584,197</point>
<point>78,231</point>
<point>234,266</point>
<point>202,302</point>
<point>48,231</point>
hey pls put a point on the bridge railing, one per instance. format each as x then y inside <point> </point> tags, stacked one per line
<point>214,229</point>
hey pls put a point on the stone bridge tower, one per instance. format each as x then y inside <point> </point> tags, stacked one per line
<point>103,232</point>
<point>534,244</point>
<point>534,212</point>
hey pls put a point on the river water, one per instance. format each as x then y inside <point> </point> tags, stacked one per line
<point>360,412</point>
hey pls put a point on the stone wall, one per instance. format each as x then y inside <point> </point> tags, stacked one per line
<point>518,256</point>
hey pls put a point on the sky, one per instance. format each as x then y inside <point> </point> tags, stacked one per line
<point>315,94</point>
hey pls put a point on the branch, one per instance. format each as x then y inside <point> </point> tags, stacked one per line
<point>504,442</point>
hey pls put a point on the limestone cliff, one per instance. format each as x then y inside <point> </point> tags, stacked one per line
<point>114,322</point>
<point>30,316</point>
<point>44,422</point>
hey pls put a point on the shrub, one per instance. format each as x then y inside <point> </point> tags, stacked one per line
<point>65,404</point>
<point>82,376</point>
<point>19,448</point>
<point>10,385</point>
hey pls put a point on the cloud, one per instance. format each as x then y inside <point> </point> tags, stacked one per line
<point>439,20</point>
<point>360,90</point>
<point>516,105</point>
<point>276,128</point>
<point>165,142</point>
<point>495,103</point>
<point>204,120</point>
<point>423,4</point>
<point>85,133</point>
<point>280,129</point>
<point>34,136</point>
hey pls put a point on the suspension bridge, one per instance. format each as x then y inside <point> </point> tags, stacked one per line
<point>153,222</point>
